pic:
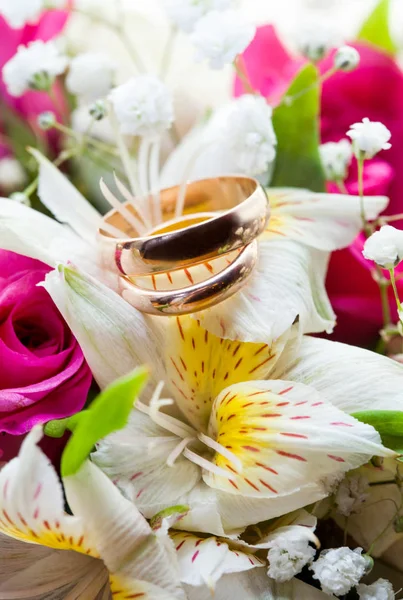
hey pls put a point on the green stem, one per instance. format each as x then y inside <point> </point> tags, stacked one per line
<point>80,137</point>
<point>360,163</point>
<point>341,185</point>
<point>378,537</point>
<point>288,100</point>
<point>393,281</point>
<point>383,285</point>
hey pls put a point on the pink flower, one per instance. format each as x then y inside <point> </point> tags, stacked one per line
<point>373,90</point>
<point>43,373</point>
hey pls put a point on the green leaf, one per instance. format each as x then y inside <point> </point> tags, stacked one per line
<point>109,412</point>
<point>388,423</point>
<point>296,123</point>
<point>375,29</point>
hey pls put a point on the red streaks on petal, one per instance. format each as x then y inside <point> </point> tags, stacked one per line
<point>283,404</point>
<point>261,364</point>
<point>169,276</point>
<point>251,448</point>
<point>37,491</point>
<point>260,349</point>
<point>295,435</point>
<point>342,424</point>
<point>133,477</point>
<point>317,404</point>
<point>208,267</point>
<point>183,364</point>
<point>271,415</point>
<point>299,417</point>
<point>289,455</point>
<point>180,328</point>
<point>189,276</point>
<point>252,485</point>
<point>267,468</point>
<point>154,282</point>
<point>233,484</point>
<point>286,390</point>
<point>180,545</point>
<point>177,369</point>
<point>269,487</point>
<point>336,458</point>
<point>238,363</point>
<point>195,555</point>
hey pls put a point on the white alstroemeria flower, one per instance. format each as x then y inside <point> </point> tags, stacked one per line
<point>91,75</point>
<point>340,569</point>
<point>381,589</point>
<point>104,525</point>
<point>186,13</point>
<point>220,36</point>
<point>369,138</point>
<point>336,158</point>
<point>33,67</point>
<point>231,466</point>
<point>143,106</point>
<point>288,283</point>
<point>315,39</point>
<point>385,247</point>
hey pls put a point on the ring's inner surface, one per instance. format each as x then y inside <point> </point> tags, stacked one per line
<point>206,196</point>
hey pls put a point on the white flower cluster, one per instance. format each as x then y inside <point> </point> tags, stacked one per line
<point>18,13</point>
<point>220,36</point>
<point>186,13</point>
<point>352,493</point>
<point>340,569</point>
<point>288,557</point>
<point>91,75</point>
<point>336,158</point>
<point>143,106</point>
<point>382,589</point>
<point>33,67</point>
<point>369,138</point>
<point>315,39</point>
<point>385,247</point>
<point>248,134</point>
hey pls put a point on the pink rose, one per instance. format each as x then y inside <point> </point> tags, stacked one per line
<point>43,374</point>
<point>373,90</point>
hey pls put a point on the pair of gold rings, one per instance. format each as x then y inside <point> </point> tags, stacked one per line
<point>194,261</point>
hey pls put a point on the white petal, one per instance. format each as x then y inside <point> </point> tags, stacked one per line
<point>294,589</point>
<point>32,505</point>
<point>30,233</point>
<point>114,336</point>
<point>124,539</point>
<point>252,585</point>
<point>351,378</point>
<point>65,201</point>
<point>288,283</point>
<point>286,437</point>
<point>206,560</point>
<point>136,459</point>
<point>324,221</point>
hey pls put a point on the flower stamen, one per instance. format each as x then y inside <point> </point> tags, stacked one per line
<point>237,463</point>
<point>177,451</point>
<point>206,464</point>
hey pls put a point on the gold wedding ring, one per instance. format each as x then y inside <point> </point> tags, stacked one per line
<point>194,261</point>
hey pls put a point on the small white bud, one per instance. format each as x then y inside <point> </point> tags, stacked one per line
<point>47,120</point>
<point>316,39</point>
<point>185,13</point>
<point>21,198</point>
<point>220,36</point>
<point>98,110</point>
<point>385,247</point>
<point>369,138</point>
<point>346,58</point>
<point>336,158</point>
<point>12,174</point>
<point>381,589</point>
<point>33,67</point>
<point>340,569</point>
<point>91,75</point>
<point>143,106</point>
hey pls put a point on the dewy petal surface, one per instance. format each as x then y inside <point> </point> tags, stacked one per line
<point>114,336</point>
<point>323,221</point>
<point>288,284</point>
<point>286,437</point>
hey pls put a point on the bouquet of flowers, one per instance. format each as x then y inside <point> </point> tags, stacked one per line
<point>178,421</point>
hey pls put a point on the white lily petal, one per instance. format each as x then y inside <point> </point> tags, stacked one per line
<point>205,560</point>
<point>31,502</point>
<point>135,556</point>
<point>30,233</point>
<point>114,336</point>
<point>351,378</point>
<point>30,571</point>
<point>136,459</point>
<point>286,437</point>
<point>65,201</point>
<point>323,221</point>
<point>288,283</point>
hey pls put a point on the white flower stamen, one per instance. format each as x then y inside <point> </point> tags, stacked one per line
<point>205,464</point>
<point>237,463</point>
<point>177,451</point>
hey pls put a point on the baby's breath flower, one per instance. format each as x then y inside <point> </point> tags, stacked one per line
<point>98,110</point>
<point>385,247</point>
<point>33,67</point>
<point>346,58</point>
<point>12,174</point>
<point>220,36</point>
<point>336,159</point>
<point>315,39</point>
<point>46,120</point>
<point>340,569</point>
<point>352,493</point>
<point>381,589</point>
<point>186,13</point>
<point>369,138</point>
<point>91,75</point>
<point>143,106</point>
<point>288,557</point>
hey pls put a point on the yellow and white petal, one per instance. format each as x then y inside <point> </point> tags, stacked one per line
<point>31,571</point>
<point>286,437</point>
<point>288,284</point>
<point>136,460</point>
<point>31,502</point>
<point>353,379</point>
<point>124,539</point>
<point>323,221</point>
<point>203,561</point>
<point>200,365</point>
<point>126,588</point>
